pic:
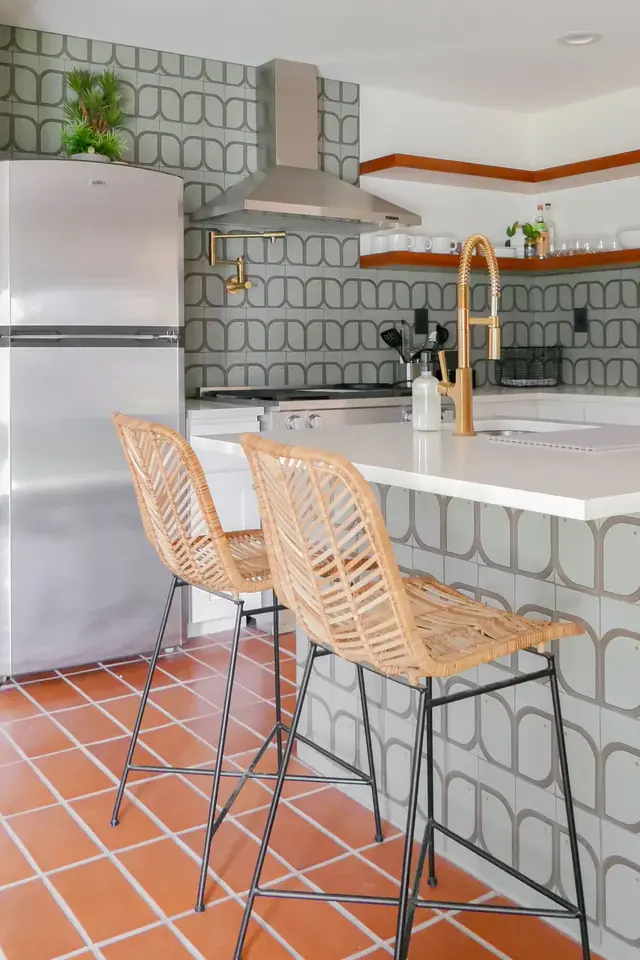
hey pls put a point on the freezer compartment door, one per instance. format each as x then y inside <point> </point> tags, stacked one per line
<point>86,584</point>
<point>5,516</point>
<point>95,244</point>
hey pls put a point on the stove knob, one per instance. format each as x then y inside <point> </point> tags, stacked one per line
<point>406,415</point>
<point>294,423</point>
<point>315,420</point>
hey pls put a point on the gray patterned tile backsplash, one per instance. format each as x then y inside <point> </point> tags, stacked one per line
<point>311,315</point>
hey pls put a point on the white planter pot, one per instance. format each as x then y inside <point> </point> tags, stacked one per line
<point>96,157</point>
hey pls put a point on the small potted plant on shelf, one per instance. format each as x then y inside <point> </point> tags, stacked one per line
<point>531,237</point>
<point>94,117</point>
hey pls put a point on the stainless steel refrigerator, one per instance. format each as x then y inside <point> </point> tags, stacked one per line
<point>91,322</point>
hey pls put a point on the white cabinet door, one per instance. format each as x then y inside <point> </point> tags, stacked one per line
<point>231,484</point>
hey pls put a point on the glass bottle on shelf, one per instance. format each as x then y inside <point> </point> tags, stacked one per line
<point>542,243</point>
<point>551,227</point>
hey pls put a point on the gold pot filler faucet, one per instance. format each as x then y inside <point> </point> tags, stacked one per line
<point>461,392</point>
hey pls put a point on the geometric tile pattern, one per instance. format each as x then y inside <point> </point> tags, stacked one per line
<point>72,886</point>
<point>499,780</point>
<point>312,315</point>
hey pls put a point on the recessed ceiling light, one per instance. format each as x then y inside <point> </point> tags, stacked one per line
<point>579,38</point>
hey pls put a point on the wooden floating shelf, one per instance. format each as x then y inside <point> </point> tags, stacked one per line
<point>404,166</point>
<point>576,264</point>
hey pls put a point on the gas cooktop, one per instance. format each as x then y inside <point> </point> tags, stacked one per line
<point>327,391</point>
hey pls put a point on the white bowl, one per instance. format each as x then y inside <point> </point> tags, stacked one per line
<point>506,252</point>
<point>629,239</point>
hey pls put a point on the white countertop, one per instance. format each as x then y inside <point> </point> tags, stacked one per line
<point>581,486</point>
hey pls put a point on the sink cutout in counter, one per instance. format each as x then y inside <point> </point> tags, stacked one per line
<point>596,439</point>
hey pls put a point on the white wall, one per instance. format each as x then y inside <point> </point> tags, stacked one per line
<point>392,122</point>
<point>592,128</point>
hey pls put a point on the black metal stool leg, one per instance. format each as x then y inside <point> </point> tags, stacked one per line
<point>372,769</point>
<point>403,935</point>
<point>432,880</point>
<point>274,803</point>
<point>571,820</point>
<point>143,702</point>
<point>276,667</point>
<point>224,723</point>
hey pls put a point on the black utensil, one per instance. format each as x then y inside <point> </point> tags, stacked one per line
<point>434,341</point>
<point>392,338</point>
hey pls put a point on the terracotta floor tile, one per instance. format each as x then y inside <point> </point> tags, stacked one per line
<point>239,739</point>
<point>125,709</point>
<point>269,764</point>
<point>168,874</point>
<point>213,689</point>
<point>288,670</point>
<point>254,677</point>
<point>36,675</point>
<point>102,899</point>
<point>135,674</point>
<point>181,666</point>
<point>173,802</point>
<point>37,736</point>
<point>8,753</point>
<point>88,724</point>
<point>521,938</point>
<point>182,703</point>
<point>216,657</point>
<point>14,705</point>
<point>453,883</point>
<point>48,935</point>
<point>442,939</point>
<point>99,684</point>
<point>134,826</point>
<point>316,930</point>
<point>13,865</point>
<point>342,816</point>
<point>157,944</point>
<point>214,934</point>
<point>73,774</point>
<point>253,795</point>
<point>257,649</point>
<point>178,747</point>
<point>351,875</point>
<point>233,859</point>
<point>288,642</point>
<point>113,754</point>
<point>56,695</point>
<point>53,838</point>
<point>22,789</point>
<point>298,841</point>
<point>261,717</point>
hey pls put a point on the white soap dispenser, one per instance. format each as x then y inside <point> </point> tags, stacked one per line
<point>426,398</point>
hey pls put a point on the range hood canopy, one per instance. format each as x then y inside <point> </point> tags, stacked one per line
<point>289,186</point>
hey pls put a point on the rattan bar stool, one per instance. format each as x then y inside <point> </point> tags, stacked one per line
<point>333,565</point>
<point>181,522</point>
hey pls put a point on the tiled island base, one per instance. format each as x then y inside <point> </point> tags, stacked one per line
<point>497,768</point>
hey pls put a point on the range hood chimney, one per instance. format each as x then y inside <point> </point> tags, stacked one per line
<point>289,188</point>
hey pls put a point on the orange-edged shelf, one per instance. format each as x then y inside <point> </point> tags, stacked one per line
<point>586,261</point>
<point>404,166</point>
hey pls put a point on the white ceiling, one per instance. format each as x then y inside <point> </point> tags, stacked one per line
<point>500,53</point>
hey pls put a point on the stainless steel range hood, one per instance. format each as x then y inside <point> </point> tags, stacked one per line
<point>289,188</point>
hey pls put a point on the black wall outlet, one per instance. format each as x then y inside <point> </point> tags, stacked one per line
<point>580,320</point>
<point>421,321</point>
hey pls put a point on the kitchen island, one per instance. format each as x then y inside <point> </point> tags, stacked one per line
<point>544,533</point>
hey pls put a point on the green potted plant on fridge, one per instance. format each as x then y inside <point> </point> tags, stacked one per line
<point>94,116</point>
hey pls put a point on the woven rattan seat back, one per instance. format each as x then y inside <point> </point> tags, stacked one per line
<point>331,557</point>
<point>178,513</point>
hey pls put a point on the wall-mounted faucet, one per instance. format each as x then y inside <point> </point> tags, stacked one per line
<point>240,281</point>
